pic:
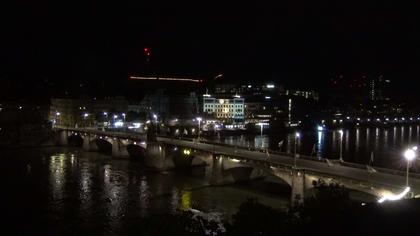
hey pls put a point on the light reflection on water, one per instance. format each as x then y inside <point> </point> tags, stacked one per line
<point>358,143</point>
<point>88,188</point>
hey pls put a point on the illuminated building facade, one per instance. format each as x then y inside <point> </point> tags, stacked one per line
<point>224,108</point>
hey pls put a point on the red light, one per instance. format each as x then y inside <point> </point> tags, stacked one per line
<point>146,49</point>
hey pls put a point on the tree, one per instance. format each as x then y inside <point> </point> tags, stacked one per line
<point>254,218</point>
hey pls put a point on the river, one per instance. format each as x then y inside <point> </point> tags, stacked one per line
<point>57,190</point>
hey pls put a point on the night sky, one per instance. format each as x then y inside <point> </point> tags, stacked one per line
<point>296,43</point>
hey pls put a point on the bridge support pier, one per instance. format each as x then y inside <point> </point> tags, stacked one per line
<point>298,187</point>
<point>119,149</point>
<point>63,138</point>
<point>158,157</point>
<point>89,144</point>
<point>216,177</point>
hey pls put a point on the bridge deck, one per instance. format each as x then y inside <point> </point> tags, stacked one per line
<point>378,178</point>
<point>382,178</point>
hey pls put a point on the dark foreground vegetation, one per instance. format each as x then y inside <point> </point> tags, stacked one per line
<point>328,212</point>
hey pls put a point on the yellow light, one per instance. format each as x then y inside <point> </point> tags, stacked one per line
<point>186,152</point>
<point>185,200</point>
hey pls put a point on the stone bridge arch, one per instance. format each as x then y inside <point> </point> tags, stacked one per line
<point>136,149</point>
<point>163,156</point>
<point>75,139</point>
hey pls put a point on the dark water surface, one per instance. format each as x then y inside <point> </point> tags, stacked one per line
<point>58,191</point>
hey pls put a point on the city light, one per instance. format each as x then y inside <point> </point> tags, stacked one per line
<point>297,136</point>
<point>58,113</point>
<point>136,125</point>
<point>166,79</point>
<point>410,154</point>
<point>393,197</point>
<point>261,124</point>
<point>270,85</point>
<point>85,115</point>
<point>187,152</point>
<point>118,124</point>
<point>320,128</point>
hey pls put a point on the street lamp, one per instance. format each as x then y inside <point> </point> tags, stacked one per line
<point>341,144</point>
<point>199,119</point>
<point>409,155</point>
<point>85,116</point>
<point>297,136</point>
<point>155,117</point>
<point>57,114</point>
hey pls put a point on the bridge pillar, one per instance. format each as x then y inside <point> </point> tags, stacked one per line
<point>63,138</point>
<point>119,150</point>
<point>298,187</point>
<point>89,144</point>
<point>86,142</point>
<point>216,177</point>
<point>157,157</point>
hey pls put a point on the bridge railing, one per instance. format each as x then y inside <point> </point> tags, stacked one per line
<point>105,133</point>
<point>312,158</point>
<point>306,157</point>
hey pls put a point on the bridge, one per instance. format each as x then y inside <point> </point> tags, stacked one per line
<point>228,164</point>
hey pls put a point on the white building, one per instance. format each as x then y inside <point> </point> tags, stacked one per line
<point>230,108</point>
